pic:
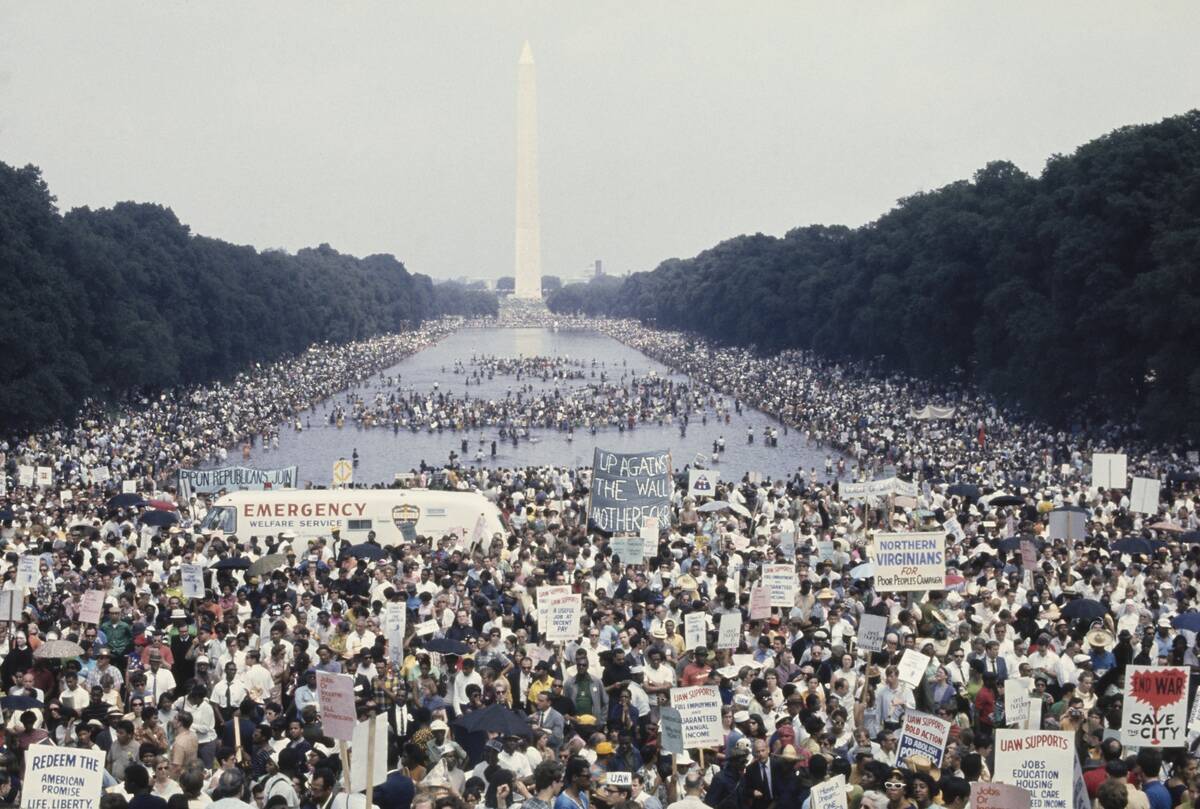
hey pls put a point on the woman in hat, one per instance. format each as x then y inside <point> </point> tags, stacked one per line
<point>897,790</point>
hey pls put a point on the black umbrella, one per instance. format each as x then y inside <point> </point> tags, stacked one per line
<point>158,518</point>
<point>965,490</point>
<point>1006,500</point>
<point>20,702</point>
<point>7,514</point>
<point>1014,543</point>
<point>1137,545</point>
<point>446,646</point>
<point>366,550</point>
<point>126,500</point>
<point>1190,537</point>
<point>1086,608</point>
<point>232,563</point>
<point>495,719</point>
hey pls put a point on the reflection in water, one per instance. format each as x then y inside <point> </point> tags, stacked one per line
<point>383,452</point>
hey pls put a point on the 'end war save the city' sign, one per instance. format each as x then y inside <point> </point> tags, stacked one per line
<point>627,488</point>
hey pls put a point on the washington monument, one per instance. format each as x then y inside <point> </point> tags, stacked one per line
<point>529,232</point>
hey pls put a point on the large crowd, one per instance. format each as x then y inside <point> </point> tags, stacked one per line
<point>213,700</point>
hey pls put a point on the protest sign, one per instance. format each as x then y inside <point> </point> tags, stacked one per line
<point>235,478</point>
<point>630,550</point>
<point>729,631</point>
<point>367,758</point>
<point>787,544</point>
<point>562,618</point>
<point>780,581</point>
<point>702,482</point>
<point>1067,523</point>
<point>1016,701</point>
<point>700,713</point>
<point>395,623</point>
<point>335,695</point>
<point>192,578</point>
<point>12,605</point>
<point>614,778</point>
<point>67,777</point>
<point>912,667</point>
<point>45,476</point>
<point>649,535</point>
<point>953,528</point>
<point>65,496</point>
<point>670,725</point>
<point>544,594</point>
<point>28,571</point>
<point>627,488</point>
<point>922,735</point>
<point>429,627</point>
<point>876,489</point>
<point>1154,712</point>
<point>91,606</point>
<point>1109,470</point>
<point>1040,761</point>
<point>128,487</point>
<point>871,631</point>
<point>1143,495</point>
<point>694,630</point>
<point>100,474</point>
<point>907,562</point>
<point>760,603</point>
<point>1028,554</point>
<point>829,794</point>
<point>999,796</point>
<point>25,476</point>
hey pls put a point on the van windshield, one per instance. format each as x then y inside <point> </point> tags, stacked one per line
<point>221,518</point>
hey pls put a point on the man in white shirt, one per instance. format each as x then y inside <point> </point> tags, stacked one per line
<point>159,680</point>
<point>258,680</point>
<point>361,638</point>
<point>468,676</point>
<point>229,693</point>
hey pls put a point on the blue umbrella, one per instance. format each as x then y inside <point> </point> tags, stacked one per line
<point>20,702</point>
<point>158,518</point>
<point>126,500</point>
<point>1187,620</point>
<point>1137,545</point>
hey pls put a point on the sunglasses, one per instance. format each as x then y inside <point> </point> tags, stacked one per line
<point>894,784</point>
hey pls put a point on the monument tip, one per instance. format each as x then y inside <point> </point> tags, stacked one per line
<point>526,55</point>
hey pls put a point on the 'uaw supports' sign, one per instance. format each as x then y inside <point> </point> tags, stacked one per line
<point>906,562</point>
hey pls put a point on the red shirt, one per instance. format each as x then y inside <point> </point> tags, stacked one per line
<point>694,675</point>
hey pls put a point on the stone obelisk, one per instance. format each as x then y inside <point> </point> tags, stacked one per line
<point>529,233</point>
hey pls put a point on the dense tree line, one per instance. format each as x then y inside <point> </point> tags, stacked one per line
<point>109,302</point>
<point>1073,294</point>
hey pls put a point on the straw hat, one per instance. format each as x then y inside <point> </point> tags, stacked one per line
<point>788,753</point>
<point>1101,638</point>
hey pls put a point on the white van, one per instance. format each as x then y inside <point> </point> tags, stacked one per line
<point>395,515</point>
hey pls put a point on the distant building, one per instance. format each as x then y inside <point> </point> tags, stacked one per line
<point>599,268</point>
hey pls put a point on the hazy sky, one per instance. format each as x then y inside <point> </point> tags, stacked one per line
<point>664,127</point>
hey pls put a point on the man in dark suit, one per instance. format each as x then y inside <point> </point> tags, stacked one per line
<point>994,663</point>
<point>762,778</point>
<point>519,679</point>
